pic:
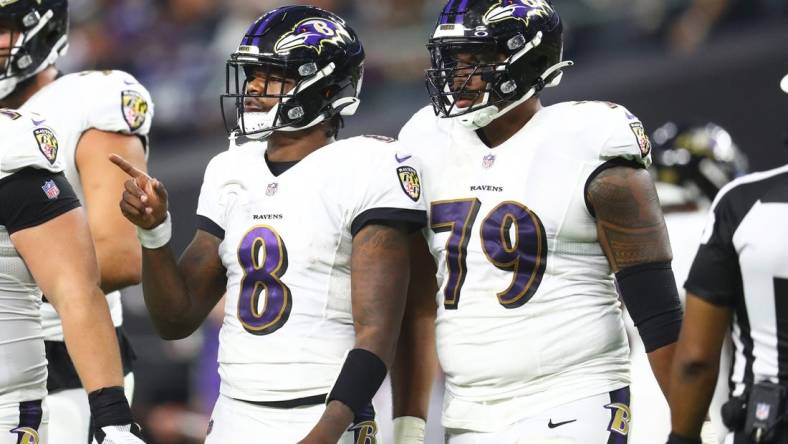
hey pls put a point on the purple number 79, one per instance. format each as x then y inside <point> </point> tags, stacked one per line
<point>524,253</point>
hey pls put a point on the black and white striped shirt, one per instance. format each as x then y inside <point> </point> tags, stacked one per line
<point>742,263</point>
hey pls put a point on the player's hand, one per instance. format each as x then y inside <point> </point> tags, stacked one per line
<point>144,201</point>
<point>119,434</point>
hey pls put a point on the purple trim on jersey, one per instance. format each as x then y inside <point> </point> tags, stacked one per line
<point>620,396</point>
<point>30,414</point>
<point>447,11</point>
<point>461,10</point>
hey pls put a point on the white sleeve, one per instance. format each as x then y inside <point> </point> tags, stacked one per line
<point>213,202</point>
<point>27,142</point>
<point>390,190</point>
<point>628,138</point>
<point>120,103</point>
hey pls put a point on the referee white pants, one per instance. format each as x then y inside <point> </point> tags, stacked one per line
<point>242,422</point>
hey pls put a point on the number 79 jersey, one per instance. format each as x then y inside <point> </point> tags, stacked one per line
<point>286,246</point>
<point>528,315</point>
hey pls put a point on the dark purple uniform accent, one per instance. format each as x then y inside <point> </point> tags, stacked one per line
<point>620,396</point>
<point>253,36</point>
<point>262,280</point>
<point>30,414</point>
<point>520,10</point>
<point>447,11</point>
<point>525,255</point>
<point>313,36</point>
<point>457,217</point>
<point>461,10</point>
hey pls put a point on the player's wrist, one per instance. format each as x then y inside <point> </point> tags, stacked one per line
<point>409,430</point>
<point>157,236</point>
<point>109,406</point>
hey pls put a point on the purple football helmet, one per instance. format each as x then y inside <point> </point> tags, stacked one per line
<point>315,51</point>
<point>516,46</point>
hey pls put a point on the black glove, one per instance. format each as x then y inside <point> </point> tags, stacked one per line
<point>112,420</point>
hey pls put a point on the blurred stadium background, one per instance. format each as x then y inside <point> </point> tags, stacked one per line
<point>681,60</point>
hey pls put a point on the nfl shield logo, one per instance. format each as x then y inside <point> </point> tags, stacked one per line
<point>51,189</point>
<point>272,189</point>
<point>488,160</point>
<point>762,411</point>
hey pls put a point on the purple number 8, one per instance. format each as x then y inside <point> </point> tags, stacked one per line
<point>262,277</point>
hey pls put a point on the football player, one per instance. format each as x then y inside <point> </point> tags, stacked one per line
<point>95,113</point>
<point>45,245</point>
<point>308,237</point>
<point>691,164</point>
<point>532,211</point>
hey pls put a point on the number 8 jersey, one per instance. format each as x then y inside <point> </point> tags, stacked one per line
<point>286,245</point>
<point>528,315</point>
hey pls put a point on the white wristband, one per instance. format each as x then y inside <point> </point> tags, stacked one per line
<point>156,237</point>
<point>409,430</point>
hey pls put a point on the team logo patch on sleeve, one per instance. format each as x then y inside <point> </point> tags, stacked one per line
<point>134,108</point>
<point>410,182</point>
<point>47,143</point>
<point>642,138</point>
<point>50,189</point>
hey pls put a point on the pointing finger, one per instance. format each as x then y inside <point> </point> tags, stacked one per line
<point>124,165</point>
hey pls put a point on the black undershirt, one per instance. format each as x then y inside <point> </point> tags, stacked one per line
<point>277,168</point>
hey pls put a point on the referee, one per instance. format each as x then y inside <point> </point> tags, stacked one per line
<point>738,283</point>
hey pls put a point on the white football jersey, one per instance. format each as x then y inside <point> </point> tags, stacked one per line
<point>111,101</point>
<point>26,142</point>
<point>287,246</point>
<point>528,315</point>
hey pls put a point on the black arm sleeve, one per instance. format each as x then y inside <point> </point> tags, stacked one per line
<point>31,197</point>
<point>649,291</point>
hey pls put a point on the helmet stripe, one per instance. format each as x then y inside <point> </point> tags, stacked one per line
<point>447,11</point>
<point>264,24</point>
<point>461,11</point>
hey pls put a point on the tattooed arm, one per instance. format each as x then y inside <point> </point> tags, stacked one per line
<point>379,282</point>
<point>632,233</point>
